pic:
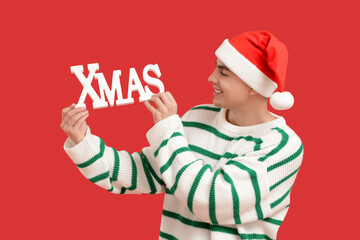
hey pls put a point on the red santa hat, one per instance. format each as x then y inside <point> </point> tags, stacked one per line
<point>260,60</point>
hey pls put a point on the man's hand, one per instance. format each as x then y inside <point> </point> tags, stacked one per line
<point>73,122</point>
<point>165,106</point>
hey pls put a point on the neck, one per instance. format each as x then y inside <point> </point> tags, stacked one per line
<point>249,115</point>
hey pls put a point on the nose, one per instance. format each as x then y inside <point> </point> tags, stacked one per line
<point>212,78</point>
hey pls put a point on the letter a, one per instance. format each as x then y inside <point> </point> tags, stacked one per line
<point>133,77</point>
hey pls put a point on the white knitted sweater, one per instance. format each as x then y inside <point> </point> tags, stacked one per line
<point>221,181</point>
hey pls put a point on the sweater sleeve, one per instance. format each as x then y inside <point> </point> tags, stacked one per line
<point>118,172</point>
<point>234,191</point>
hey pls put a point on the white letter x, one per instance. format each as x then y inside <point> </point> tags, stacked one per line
<point>86,82</point>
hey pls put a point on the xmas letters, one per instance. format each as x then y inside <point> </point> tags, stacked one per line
<point>134,85</point>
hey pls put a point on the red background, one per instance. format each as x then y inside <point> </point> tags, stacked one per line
<point>44,196</point>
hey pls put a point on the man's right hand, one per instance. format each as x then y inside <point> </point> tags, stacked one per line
<point>73,122</point>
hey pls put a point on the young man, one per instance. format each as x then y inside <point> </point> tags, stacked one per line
<point>226,168</point>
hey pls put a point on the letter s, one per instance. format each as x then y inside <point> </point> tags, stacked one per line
<point>152,81</point>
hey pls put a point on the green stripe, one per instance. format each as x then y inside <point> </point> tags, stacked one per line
<point>214,109</point>
<point>207,128</point>
<point>99,177</point>
<point>152,171</point>
<point>186,221</point>
<point>134,174</point>
<point>198,224</point>
<point>204,152</point>
<point>229,155</point>
<point>284,179</point>
<point>221,135</point>
<point>257,141</point>
<point>116,166</point>
<point>123,190</point>
<point>168,191</point>
<point>195,185</point>
<point>111,189</point>
<point>277,202</point>
<point>235,197</point>
<point>163,143</point>
<point>286,160</point>
<point>218,228</point>
<point>255,184</point>
<point>94,158</point>
<point>254,236</point>
<point>167,236</point>
<point>212,203</point>
<point>171,159</point>
<point>148,176</point>
<point>273,221</point>
<point>210,154</point>
<point>283,142</point>
<point>180,172</point>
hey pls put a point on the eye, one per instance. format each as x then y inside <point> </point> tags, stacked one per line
<point>222,73</point>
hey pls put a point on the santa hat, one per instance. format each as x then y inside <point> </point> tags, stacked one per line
<point>260,60</point>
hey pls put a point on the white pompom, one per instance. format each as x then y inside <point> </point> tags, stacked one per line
<point>282,100</point>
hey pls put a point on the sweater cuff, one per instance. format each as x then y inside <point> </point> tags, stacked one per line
<point>163,130</point>
<point>84,150</point>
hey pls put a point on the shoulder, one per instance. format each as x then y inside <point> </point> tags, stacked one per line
<point>293,139</point>
<point>278,142</point>
<point>281,144</point>
<point>201,111</point>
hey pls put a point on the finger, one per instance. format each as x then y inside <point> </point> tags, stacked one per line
<point>165,99</point>
<point>83,124</point>
<point>66,110</point>
<point>170,96</point>
<point>81,121</point>
<point>150,107</point>
<point>172,99</point>
<point>71,113</point>
<point>159,104</point>
<point>76,117</point>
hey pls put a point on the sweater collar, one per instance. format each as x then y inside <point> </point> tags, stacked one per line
<point>247,130</point>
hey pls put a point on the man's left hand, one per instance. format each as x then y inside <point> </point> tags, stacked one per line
<point>165,106</point>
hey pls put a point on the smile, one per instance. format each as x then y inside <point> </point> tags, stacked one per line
<point>216,92</point>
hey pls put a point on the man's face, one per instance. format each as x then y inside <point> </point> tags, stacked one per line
<point>229,90</point>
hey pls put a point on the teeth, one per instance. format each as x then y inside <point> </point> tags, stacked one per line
<point>217,91</point>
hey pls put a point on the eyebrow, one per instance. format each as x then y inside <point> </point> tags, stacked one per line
<point>222,66</point>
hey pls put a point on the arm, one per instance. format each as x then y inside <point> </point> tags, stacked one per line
<point>236,192</point>
<point>233,192</point>
<point>115,171</point>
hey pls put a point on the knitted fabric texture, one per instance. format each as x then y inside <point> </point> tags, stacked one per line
<point>221,181</point>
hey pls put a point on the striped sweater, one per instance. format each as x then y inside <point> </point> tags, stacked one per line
<point>221,181</point>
